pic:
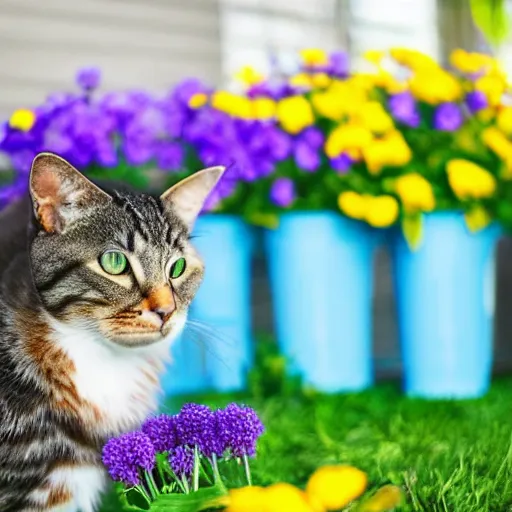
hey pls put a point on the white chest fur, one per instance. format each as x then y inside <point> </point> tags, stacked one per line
<point>120,383</point>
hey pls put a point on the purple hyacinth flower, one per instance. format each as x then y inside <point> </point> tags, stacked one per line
<point>282,192</point>
<point>339,64</point>
<point>403,108</point>
<point>182,461</point>
<point>306,157</point>
<point>342,163</point>
<point>196,426</point>
<point>88,78</point>
<point>448,117</point>
<point>239,428</point>
<point>162,432</point>
<point>124,456</point>
<point>476,100</point>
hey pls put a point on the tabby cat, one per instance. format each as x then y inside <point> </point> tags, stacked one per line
<point>94,288</point>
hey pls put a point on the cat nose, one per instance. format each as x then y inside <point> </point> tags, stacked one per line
<point>161,301</point>
<point>165,312</point>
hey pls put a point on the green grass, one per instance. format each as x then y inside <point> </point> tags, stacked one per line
<point>447,456</point>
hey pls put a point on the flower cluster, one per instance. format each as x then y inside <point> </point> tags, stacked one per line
<point>170,453</point>
<point>408,137</point>
<point>329,488</point>
<point>405,139</point>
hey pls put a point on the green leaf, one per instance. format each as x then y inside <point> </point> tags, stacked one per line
<point>490,16</point>
<point>264,220</point>
<point>477,218</point>
<point>412,228</point>
<point>130,500</point>
<point>210,497</point>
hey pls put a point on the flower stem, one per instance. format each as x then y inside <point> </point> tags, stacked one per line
<point>162,475</point>
<point>185,484</point>
<point>215,466</point>
<point>196,469</point>
<point>151,484</point>
<point>144,494</point>
<point>247,470</point>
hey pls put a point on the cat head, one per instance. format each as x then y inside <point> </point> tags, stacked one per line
<point>121,264</point>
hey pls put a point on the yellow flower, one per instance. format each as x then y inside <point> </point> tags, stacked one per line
<point>336,486</point>
<point>285,498</point>
<point>353,205</point>
<point>388,497</point>
<point>391,150</point>
<point>246,499</point>
<point>295,114</point>
<point>301,80</point>
<point>233,104</point>
<point>374,56</point>
<point>493,86</point>
<point>347,137</point>
<point>434,86</point>
<point>249,76</point>
<point>497,142</point>
<point>338,100</point>
<point>373,116</point>
<point>469,62</point>
<point>415,192</point>
<point>314,57</point>
<point>320,80</point>
<point>382,211</point>
<point>504,120</point>
<point>470,181</point>
<point>263,108</point>
<point>22,119</point>
<point>198,100</point>
<point>413,59</point>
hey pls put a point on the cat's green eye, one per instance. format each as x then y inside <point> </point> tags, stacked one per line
<point>113,262</point>
<point>178,267</point>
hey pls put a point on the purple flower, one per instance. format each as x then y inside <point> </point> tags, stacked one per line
<point>342,163</point>
<point>306,149</point>
<point>339,65</point>
<point>476,100</point>
<point>162,432</point>
<point>239,429</point>
<point>448,117</point>
<point>182,461</point>
<point>404,109</point>
<point>170,156</point>
<point>124,456</point>
<point>196,426</point>
<point>306,157</point>
<point>88,78</point>
<point>282,192</point>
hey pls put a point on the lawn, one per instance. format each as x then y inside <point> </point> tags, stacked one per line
<point>447,456</point>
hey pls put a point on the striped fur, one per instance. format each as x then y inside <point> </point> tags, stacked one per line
<point>81,351</point>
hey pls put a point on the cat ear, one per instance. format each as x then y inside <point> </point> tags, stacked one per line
<point>60,194</point>
<point>187,197</point>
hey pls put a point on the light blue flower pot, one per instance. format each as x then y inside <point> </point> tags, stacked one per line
<point>215,351</point>
<point>321,276</point>
<point>445,299</point>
